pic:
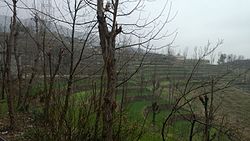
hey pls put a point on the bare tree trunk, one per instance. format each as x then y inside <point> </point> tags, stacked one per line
<point>23,104</point>
<point>10,96</point>
<point>142,81</point>
<point>44,65</point>
<point>3,76</point>
<point>98,113</point>
<point>71,72</point>
<point>19,73</point>
<point>10,43</point>
<point>52,81</point>
<point>206,130</point>
<point>108,108</point>
<point>192,130</point>
<point>4,62</point>
<point>208,112</point>
<point>66,101</point>
<point>3,85</point>
<point>122,104</point>
<point>107,42</point>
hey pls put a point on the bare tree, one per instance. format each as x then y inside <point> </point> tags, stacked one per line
<point>3,47</point>
<point>11,43</point>
<point>22,100</point>
<point>189,89</point>
<point>74,62</point>
<point>107,41</point>
<point>109,29</point>
<point>17,56</point>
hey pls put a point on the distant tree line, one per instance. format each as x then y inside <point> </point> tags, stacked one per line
<point>228,58</point>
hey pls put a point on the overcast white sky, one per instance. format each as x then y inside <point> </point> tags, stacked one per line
<point>201,20</point>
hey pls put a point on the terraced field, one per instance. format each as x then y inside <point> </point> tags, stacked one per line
<point>139,95</point>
